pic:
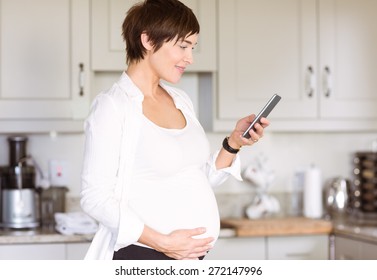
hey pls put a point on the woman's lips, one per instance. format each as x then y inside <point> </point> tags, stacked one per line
<point>181,69</point>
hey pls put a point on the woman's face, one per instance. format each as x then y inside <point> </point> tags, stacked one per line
<point>171,60</point>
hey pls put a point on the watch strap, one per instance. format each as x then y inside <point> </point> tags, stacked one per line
<point>228,148</point>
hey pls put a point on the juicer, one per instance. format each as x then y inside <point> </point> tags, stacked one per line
<point>19,197</point>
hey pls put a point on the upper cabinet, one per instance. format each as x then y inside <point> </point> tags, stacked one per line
<point>44,54</point>
<point>348,59</point>
<point>108,48</point>
<point>319,55</point>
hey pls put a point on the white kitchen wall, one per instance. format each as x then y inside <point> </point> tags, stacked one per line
<point>332,152</point>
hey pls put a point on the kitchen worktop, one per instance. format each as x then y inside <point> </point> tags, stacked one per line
<point>240,227</point>
<point>230,228</point>
<point>40,235</point>
<point>364,232</point>
<point>278,226</point>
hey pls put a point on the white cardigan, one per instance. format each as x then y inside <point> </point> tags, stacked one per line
<point>112,131</point>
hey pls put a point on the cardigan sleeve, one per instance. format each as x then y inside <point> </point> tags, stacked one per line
<point>218,176</point>
<point>101,189</point>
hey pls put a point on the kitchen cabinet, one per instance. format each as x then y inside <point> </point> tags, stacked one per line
<point>44,251</point>
<point>300,247</point>
<point>319,55</point>
<point>32,252</point>
<point>44,65</point>
<point>108,48</point>
<point>76,251</point>
<point>313,247</point>
<point>347,248</point>
<point>238,248</point>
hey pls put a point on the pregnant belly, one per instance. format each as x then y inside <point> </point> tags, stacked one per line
<point>167,205</point>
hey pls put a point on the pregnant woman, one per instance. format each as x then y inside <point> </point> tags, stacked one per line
<point>148,173</point>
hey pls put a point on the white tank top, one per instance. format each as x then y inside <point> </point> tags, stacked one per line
<point>170,189</point>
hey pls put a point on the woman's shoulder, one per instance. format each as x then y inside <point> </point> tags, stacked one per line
<point>118,95</point>
<point>122,90</point>
<point>109,102</point>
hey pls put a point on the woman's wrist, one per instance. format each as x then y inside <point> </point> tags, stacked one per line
<point>233,143</point>
<point>161,243</point>
<point>154,239</point>
<point>228,148</point>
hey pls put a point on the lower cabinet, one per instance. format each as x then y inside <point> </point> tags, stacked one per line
<point>301,247</point>
<point>348,248</point>
<point>32,252</point>
<point>238,248</point>
<point>76,251</point>
<point>53,251</point>
<point>313,247</point>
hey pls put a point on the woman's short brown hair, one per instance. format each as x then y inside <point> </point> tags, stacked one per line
<point>161,20</point>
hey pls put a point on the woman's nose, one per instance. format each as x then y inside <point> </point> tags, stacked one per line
<point>189,58</point>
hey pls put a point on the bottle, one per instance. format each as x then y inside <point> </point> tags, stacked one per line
<point>297,192</point>
<point>313,193</point>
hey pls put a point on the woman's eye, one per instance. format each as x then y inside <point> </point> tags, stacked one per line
<point>183,47</point>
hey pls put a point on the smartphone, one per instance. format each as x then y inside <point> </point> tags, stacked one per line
<point>263,113</point>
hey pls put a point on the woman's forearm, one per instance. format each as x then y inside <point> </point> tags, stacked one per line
<point>225,158</point>
<point>236,141</point>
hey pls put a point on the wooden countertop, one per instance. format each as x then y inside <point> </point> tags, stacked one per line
<point>278,226</point>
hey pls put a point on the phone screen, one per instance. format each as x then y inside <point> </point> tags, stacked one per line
<point>263,113</point>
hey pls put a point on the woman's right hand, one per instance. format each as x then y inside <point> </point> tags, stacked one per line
<point>182,244</point>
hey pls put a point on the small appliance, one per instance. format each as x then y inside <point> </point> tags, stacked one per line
<point>19,197</point>
<point>337,196</point>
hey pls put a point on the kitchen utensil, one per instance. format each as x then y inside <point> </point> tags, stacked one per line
<point>313,193</point>
<point>263,205</point>
<point>52,201</point>
<point>20,199</point>
<point>19,209</point>
<point>17,149</point>
<point>336,193</point>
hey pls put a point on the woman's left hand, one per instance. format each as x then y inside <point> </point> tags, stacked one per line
<point>236,140</point>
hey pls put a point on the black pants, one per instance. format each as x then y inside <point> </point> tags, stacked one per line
<point>134,252</point>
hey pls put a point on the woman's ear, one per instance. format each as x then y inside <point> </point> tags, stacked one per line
<point>145,41</point>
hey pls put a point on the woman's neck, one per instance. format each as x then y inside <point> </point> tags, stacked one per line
<point>143,78</point>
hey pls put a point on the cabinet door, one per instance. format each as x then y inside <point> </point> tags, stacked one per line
<point>347,249</point>
<point>267,47</point>
<point>348,59</point>
<point>108,48</point>
<point>368,251</point>
<point>314,247</point>
<point>76,251</point>
<point>238,248</point>
<point>44,59</point>
<point>353,249</point>
<point>32,252</point>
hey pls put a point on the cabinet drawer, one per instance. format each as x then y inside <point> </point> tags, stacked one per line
<point>313,247</point>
